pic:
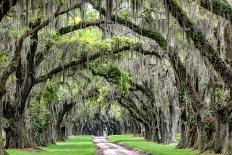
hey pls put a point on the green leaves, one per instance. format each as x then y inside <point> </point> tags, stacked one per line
<point>3,57</point>
<point>122,79</point>
<point>50,93</point>
<point>113,74</point>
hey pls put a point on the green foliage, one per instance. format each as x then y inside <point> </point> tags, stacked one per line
<point>60,2</point>
<point>179,36</point>
<point>39,115</point>
<point>208,127</point>
<point>125,14</point>
<point>222,7</point>
<point>183,95</point>
<point>119,77</point>
<point>37,16</point>
<point>221,95</point>
<point>50,93</point>
<point>113,74</point>
<point>230,119</point>
<point>89,39</point>
<point>118,42</point>
<point>4,58</point>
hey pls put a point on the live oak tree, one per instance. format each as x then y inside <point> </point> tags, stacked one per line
<point>166,68</point>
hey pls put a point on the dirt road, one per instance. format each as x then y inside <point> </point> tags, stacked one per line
<point>106,147</point>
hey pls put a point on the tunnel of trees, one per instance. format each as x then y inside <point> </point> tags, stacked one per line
<point>149,67</point>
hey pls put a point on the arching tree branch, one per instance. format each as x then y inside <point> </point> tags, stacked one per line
<point>200,42</point>
<point>218,7</point>
<point>18,46</point>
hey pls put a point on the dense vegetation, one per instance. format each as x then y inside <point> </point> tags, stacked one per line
<point>95,67</point>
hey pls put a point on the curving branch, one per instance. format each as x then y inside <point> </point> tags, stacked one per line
<point>68,29</point>
<point>84,59</point>
<point>152,34</point>
<point>18,47</point>
<point>80,62</point>
<point>200,42</point>
<point>64,30</point>
<point>218,7</point>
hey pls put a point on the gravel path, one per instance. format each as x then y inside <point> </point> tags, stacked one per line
<point>106,147</point>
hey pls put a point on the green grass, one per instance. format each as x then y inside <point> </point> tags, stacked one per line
<point>78,145</point>
<point>150,147</point>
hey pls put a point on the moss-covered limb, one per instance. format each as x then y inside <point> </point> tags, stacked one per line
<point>64,30</point>
<point>228,41</point>
<point>84,58</point>
<point>186,81</point>
<point>131,111</point>
<point>135,112</point>
<point>130,106</point>
<point>218,7</point>
<point>200,42</point>
<point>5,6</point>
<point>187,87</point>
<point>19,43</point>
<point>80,62</point>
<point>112,74</point>
<point>152,34</point>
<point>68,29</point>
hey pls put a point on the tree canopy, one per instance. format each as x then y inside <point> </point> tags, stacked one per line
<point>150,67</point>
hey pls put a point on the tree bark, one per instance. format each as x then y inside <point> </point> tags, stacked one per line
<point>148,133</point>
<point>2,149</point>
<point>59,136</point>
<point>221,136</point>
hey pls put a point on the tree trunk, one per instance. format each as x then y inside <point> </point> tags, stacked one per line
<point>175,119</point>
<point>59,136</point>
<point>191,136</point>
<point>183,130</point>
<point>164,128</point>
<point>148,133</point>
<point>2,150</point>
<point>17,137</point>
<point>201,136</point>
<point>229,148</point>
<point>221,136</point>
<point>155,134</point>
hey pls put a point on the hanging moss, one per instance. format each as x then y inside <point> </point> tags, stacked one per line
<point>218,7</point>
<point>200,42</point>
<point>155,35</point>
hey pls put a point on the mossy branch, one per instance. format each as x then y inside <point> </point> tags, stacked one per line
<point>200,42</point>
<point>218,7</point>
<point>152,34</point>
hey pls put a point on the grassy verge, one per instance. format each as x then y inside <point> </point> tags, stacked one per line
<point>78,145</point>
<point>150,147</point>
